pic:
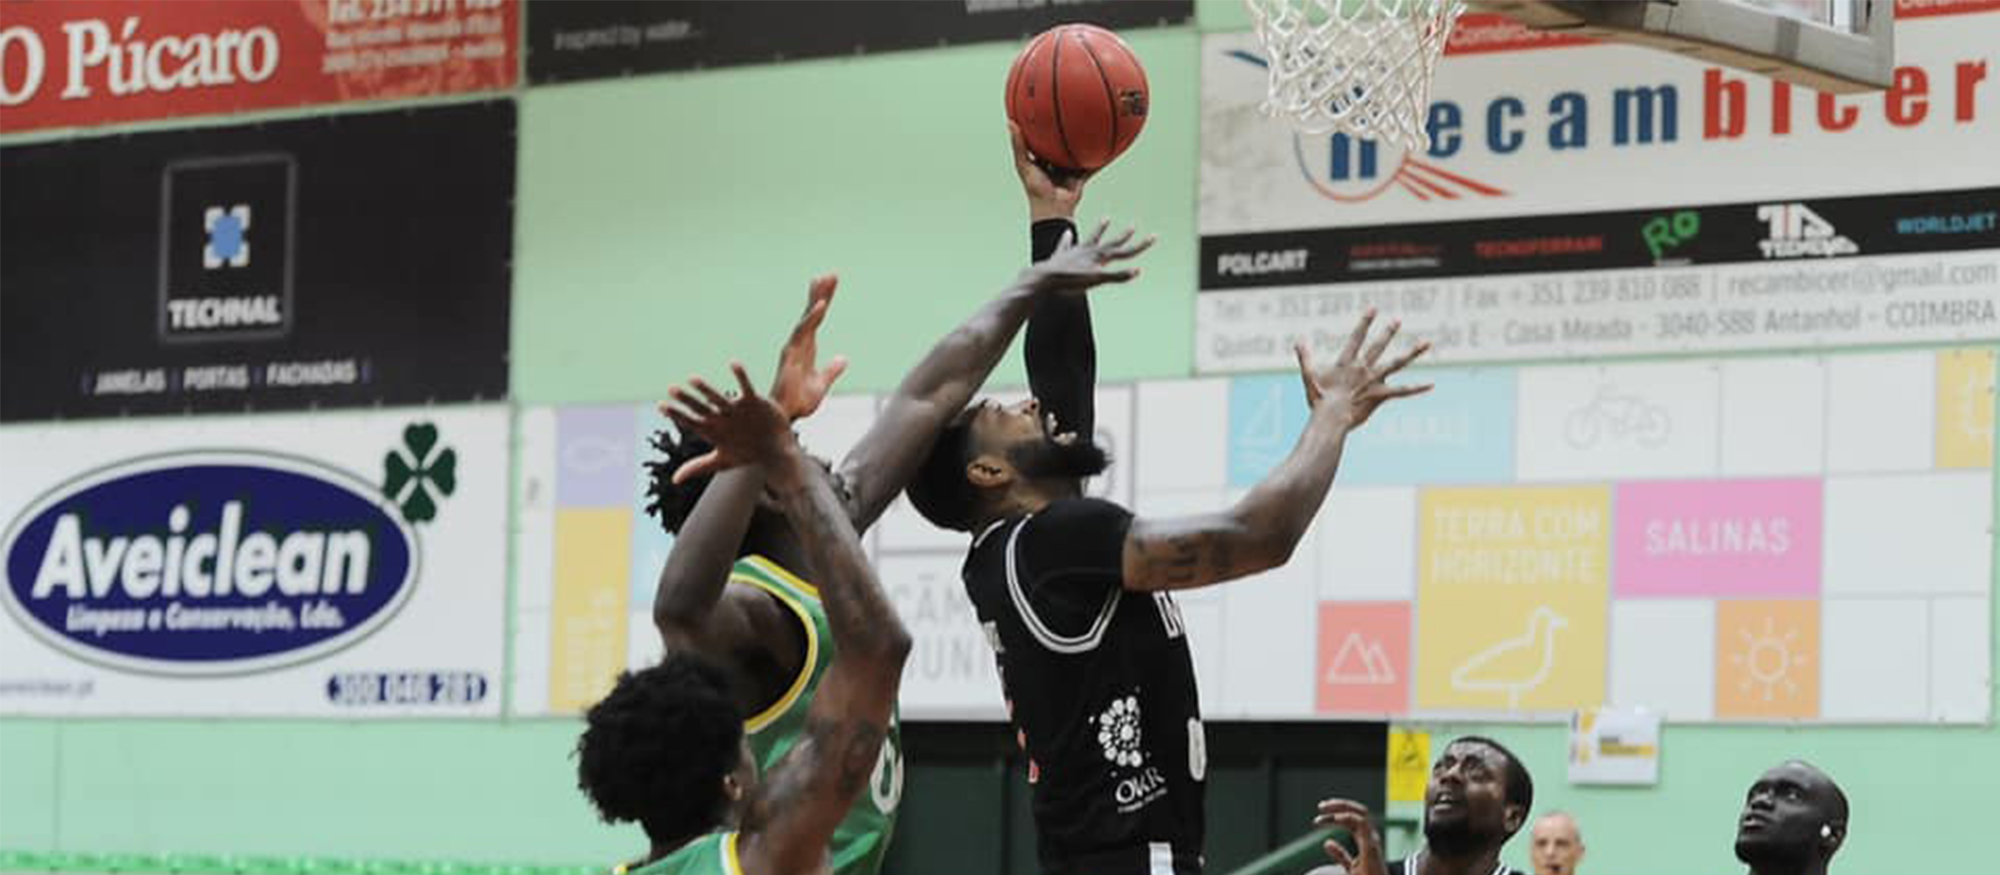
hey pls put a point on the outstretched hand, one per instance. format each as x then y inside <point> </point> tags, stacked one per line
<point>744,427</point>
<point>1079,266</point>
<point>1053,193</point>
<point>1353,817</point>
<point>801,385</point>
<point>1356,380</point>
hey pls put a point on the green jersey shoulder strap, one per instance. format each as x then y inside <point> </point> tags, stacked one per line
<point>786,718</point>
<point>712,854</point>
<point>861,843</point>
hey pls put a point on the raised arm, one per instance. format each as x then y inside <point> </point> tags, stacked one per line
<point>689,593</point>
<point>693,607</point>
<point>807,794</point>
<point>1260,531</point>
<point>1059,348</point>
<point>811,790</point>
<point>885,458</point>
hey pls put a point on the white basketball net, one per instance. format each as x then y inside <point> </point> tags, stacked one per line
<point>1361,67</point>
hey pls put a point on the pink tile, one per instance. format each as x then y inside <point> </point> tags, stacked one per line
<point>1718,538</point>
<point>1364,658</point>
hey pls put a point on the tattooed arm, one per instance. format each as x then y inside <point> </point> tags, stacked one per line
<point>1260,531</point>
<point>803,799</point>
<point>887,456</point>
<point>807,794</point>
<point>748,632</point>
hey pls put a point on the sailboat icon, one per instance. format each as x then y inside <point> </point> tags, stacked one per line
<point>1360,661</point>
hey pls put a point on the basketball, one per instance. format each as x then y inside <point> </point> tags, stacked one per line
<point>1079,95</point>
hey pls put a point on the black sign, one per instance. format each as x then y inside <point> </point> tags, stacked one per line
<point>210,286</point>
<point>595,39</point>
<point>343,261</point>
<point>1765,231</point>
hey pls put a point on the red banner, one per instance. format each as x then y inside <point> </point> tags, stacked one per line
<point>1481,32</point>
<point>74,63</point>
<point>1927,8</point>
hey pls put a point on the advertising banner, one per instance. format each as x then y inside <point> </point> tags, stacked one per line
<point>1590,199</point>
<point>334,565</point>
<point>75,63</point>
<point>595,39</point>
<point>342,261</point>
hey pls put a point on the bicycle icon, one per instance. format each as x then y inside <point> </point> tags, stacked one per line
<point>1609,415</point>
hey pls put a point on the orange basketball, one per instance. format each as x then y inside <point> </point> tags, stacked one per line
<point>1079,95</point>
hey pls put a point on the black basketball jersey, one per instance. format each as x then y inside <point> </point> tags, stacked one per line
<point>1101,691</point>
<point>1409,866</point>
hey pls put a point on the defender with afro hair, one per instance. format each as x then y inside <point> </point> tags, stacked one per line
<point>656,749</point>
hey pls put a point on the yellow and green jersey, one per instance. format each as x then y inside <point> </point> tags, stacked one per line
<point>862,840</point>
<point>712,854</point>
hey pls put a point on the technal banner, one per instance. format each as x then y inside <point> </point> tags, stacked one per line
<point>1655,205</point>
<point>74,63</point>
<point>326,262</point>
<point>338,565</point>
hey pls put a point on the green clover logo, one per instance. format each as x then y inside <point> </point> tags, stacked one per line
<point>408,479</point>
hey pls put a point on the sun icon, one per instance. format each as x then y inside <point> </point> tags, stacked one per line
<point>1768,658</point>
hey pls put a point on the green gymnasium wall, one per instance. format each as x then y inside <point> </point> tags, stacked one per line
<point>668,224</point>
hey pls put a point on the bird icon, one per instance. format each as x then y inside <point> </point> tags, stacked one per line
<point>1515,665</point>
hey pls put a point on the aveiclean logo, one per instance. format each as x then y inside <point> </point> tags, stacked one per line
<point>208,563</point>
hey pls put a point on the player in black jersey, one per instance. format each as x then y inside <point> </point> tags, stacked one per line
<point>1794,820</point>
<point>1073,592</point>
<point>1479,795</point>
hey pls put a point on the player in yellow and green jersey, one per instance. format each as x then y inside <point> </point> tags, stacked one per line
<point>666,747</point>
<point>737,588</point>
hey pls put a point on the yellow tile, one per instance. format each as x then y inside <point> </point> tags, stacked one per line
<point>592,595</point>
<point>1512,591</point>
<point>1409,764</point>
<point>1965,408</point>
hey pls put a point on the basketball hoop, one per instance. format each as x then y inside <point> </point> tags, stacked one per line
<point>1360,67</point>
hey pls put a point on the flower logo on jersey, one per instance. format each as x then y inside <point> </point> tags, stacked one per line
<point>1118,732</point>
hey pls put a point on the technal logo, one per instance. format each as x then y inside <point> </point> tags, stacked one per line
<point>211,286</point>
<point>209,563</point>
<point>226,229</point>
<point>1794,231</point>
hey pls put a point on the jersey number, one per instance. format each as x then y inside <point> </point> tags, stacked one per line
<point>885,787</point>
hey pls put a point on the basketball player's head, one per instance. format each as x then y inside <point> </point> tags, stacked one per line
<point>1479,796</point>
<point>1794,820</point>
<point>671,502</point>
<point>994,458</point>
<point>1558,844</point>
<point>665,749</point>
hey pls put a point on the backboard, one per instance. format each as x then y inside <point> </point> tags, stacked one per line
<point>1830,45</point>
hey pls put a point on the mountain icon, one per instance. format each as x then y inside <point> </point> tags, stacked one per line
<point>1360,661</point>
